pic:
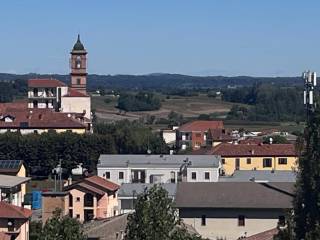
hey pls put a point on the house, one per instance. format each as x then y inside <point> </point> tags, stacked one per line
<point>51,104</point>
<point>93,197</point>
<point>14,168</point>
<point>169,136</point>
<point>217,136</point>
<point>11,189</point>
<point>87,199</point>
<point>39,121</point>
<point>194,134</point>
<point>14,221</point>
<point>254,156</point>
<point>129,192</point>
<point>128,168</point>
<point>266,235</point>
<point>233,210</point>
<point>260,176</point>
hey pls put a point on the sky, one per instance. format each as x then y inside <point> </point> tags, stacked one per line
<point>194,37</point>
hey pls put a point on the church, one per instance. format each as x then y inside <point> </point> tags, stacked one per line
<point>52,104</point>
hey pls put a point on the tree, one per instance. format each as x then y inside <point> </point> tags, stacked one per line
<point>62,228</point>
<point>277,139</point>
<point>304,223</point>
<point>155,218</point>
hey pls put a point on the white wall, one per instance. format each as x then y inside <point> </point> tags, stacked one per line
<point>76,105</point>
<point>200,173</point>
<point>169,136</point>
<point>224,223</point>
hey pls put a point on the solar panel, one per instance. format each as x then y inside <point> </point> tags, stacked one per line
<point>9,164</point>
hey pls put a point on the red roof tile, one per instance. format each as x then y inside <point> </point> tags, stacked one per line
<point>75,93</point>
<point>267,235</point>
<point>39,118</point>
<point>108,185</point>
<point>10,211</point>
<point>201,126</point>
<point>45,83</point>
<point>239,150</point>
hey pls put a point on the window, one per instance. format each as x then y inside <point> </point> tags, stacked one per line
<point>193,175</point>
<point>282,161</point>
<point>78,216</point>
<point>172,177</point>
<point>203,220</point>
<point>206,175</point>
<point>70,200</point>
<point>10,225</point>
<point>237,163</point>
<point>78,81</point>
<point>223,161</point>
<point>248,160</point>
<point>107,175</point>
<point>267,162</point>
<point>282,221</point>
<point>121,174</point>
<point>78,199</point>
<point>70,213</point>
<point>241,221</point>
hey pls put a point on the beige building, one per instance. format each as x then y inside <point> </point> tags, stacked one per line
<point>14,221</point>
<point>87,199</point>
<point>233,210</point>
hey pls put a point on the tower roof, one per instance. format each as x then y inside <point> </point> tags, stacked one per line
<point>78,46</point>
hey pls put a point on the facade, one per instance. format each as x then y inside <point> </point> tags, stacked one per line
<point>129,192</point>
<point>194,134</point>
<point>12,189</point>
<point>14,221</point>
<point>218,136</point>
<point>233,210</point>
<point>53,200</point>
<point>93,198</point>
<point>126,168</point>
<point>169,136</point>
<point>271,157</point>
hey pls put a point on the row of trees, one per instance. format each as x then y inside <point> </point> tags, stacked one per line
<point>12,89</point>
<point>142,101</point>
<point>266,102</point>
<point>42,152</point>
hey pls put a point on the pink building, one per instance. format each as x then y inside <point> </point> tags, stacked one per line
<point>93,198</point>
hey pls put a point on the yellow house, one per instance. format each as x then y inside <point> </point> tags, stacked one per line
<point>256,157</point>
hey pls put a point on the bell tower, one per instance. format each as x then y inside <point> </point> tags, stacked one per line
<point>78,65</point>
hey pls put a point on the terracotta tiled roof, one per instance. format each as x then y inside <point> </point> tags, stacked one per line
<point>251,141</point>
<point>267,235</point>
<point>45,83</point>
<point>219,135</point>
<point>13,106</point>
<point>10,211</point>
<point>39,118</point>
<point>239,150</point>
<point>108,185</point>
<point>95,184</point>
<point>75,93</point>
<point>201,126</point>
<point>4,236</point>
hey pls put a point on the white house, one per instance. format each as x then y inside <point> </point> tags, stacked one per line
<point>159,168</point>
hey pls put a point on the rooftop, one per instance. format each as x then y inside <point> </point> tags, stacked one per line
<point>247,150</point>
<point>161,161</point>
<point>38,118</point>
<point>10,211</point>
<point>201,126</point>
<point>78,46</point>
<point>266,235</point>
<point>130,189</point>
<point>261,175</point>
<point>94,184</point>
<point>8,181</point>
<point>50,83</point>
<point>10,166</point>
<point>75,93</point>
<point>235,195</point>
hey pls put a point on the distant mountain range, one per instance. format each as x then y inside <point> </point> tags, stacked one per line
<point>161,81</point>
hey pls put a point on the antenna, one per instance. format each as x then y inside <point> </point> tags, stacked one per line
<point>310,82</point>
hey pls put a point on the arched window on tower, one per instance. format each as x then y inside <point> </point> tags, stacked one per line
<point>78,62</point>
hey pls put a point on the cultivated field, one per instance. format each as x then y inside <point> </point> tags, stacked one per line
<point>188,106</point>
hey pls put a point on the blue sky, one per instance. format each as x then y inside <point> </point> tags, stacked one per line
<point>197,37</point>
